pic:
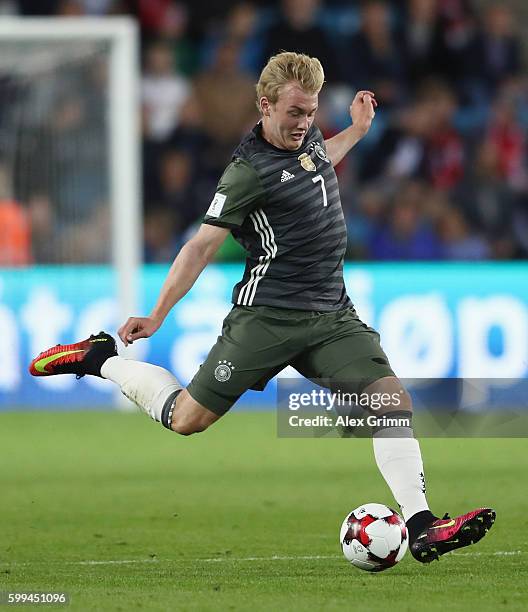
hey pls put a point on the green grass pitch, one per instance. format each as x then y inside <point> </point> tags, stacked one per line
<point>124,515</point>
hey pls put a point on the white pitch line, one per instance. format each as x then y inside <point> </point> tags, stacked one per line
<point>115,562</point>
<point>498,553</point>
<point>210,560</point>
<point>273,558</point>
<point>287,558</point>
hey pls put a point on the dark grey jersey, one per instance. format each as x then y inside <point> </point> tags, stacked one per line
<point>284,208</point>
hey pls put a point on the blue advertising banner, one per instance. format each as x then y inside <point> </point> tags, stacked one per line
<point>435,320</point>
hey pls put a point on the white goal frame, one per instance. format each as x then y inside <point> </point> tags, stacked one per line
<point>124,131</point>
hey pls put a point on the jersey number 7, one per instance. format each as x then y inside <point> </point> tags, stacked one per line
<point>320,179</point>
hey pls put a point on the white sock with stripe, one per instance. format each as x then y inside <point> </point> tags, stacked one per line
<point>400,463</point>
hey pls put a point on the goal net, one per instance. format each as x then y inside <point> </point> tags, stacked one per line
<point>69,188</point>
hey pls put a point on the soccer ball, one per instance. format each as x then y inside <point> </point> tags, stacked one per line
<point>373,537</point>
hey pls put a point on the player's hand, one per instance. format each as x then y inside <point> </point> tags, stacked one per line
<point>136,328</point>
<point>362,110</point>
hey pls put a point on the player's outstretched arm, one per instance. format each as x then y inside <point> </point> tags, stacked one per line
<point>187,267</point>
<point>362,113</point>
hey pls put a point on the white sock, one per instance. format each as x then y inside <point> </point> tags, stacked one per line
<point>147,385</point>
<point>400,463</point>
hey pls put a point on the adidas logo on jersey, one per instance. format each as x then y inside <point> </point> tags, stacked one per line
<point>286,176</point>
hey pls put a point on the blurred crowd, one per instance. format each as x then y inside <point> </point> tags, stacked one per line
<point>442,175</point>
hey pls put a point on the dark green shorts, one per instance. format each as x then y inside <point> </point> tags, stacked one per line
<point>257,342</point>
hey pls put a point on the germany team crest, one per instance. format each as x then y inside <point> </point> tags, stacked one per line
<point>307,162</point>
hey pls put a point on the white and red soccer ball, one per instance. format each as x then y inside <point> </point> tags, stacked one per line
<point>373,537</point>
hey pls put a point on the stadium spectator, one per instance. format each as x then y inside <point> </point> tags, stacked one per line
<point>459,242</point>
<point>169,21</point>
<point>162,17</point>
<point>420,39</point>
<point>400,151</point>
<point>422,141</point>
<point>364,221</point>
<point>43,229</point>
<point>161,231</point>
<point>224,119</point>
<point>88,241</point>
<point>77,174</point>
<point>444,153</point>
<point>374,59</point>
<point>244,25</point>
<point>496,50</point>
<point>70,8</point>
<point>505,134</point>
<point>488,202</point>
<point>458,29</point>
<point>452,115</point>
<point>176,187</point>
<point>408,233</point>
<point>297,29</point>
<point>15,246</point>
<point>163,91</point>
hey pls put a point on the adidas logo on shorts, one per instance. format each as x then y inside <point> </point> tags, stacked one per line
<point>286,176</point>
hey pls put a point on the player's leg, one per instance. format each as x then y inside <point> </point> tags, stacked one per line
<point>256,343</point>
<point>349,356</point>
<point>397,452</point>
<point>353,361</point>
<point>154,389</point>
<point>189,416</point>
<point>248,353</point>
<point>254,346</point>
<point>399,460</point>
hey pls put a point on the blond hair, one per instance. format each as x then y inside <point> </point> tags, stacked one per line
<point>286,67</point>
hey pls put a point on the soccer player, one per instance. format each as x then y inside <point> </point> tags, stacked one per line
<point>279,198</point>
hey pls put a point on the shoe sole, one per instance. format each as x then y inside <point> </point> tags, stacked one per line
<point>471,532</point>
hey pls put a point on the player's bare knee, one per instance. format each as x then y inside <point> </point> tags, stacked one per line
<point>187,426</point>
<point>185,430</point>
<point>190,417</point>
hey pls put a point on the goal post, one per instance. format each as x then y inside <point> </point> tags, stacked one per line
<point>120,33</point>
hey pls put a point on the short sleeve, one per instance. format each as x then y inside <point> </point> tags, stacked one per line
<point>238,193</point>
